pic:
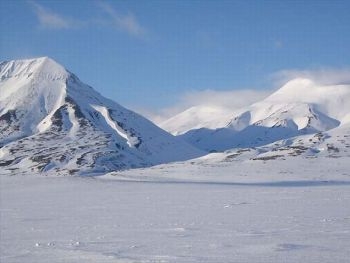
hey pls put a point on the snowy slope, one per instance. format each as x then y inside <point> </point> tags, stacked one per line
<point>320,147</point>
<point>51,121</point>
<point>299,107</point>
<point>197,117</point>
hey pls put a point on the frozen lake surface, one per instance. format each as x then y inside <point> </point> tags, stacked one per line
<point>72,219</point>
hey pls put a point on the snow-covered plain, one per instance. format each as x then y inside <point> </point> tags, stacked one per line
<point>204,210</point>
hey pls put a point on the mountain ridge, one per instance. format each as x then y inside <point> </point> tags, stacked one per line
<point>51,122</point>
<point>69,127</point>
<point>299,107</point>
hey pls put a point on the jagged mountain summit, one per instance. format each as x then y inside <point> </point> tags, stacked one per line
<point>300,107</point>
<point>52,122</point>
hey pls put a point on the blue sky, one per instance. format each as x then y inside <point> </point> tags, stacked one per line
<point>148,54</point>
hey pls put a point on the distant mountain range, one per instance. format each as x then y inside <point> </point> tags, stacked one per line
<point>300,107</point>
<point>52,122</point>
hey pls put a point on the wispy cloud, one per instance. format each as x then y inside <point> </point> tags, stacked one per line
<point>323,76</point>
<point>229,100</point>
<point>123,22</point>
<point>51,20</point>
<point>127,23</point>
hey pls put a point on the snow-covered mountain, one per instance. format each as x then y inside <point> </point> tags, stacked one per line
<point>196,117</point>
<point>300,107</point>
<point>334,143</point>
<point>51,121</point>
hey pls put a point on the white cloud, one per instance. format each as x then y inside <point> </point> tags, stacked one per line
<point>50,20</point>
<point>230,100</point>
<point>324,76</point>
<point>124,22</point>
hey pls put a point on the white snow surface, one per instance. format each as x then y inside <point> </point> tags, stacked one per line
<point>283,199</point>
<point>213,209</point>
<point>299,107</point>
<point>197,117</point>
<point>52,122</point>
<point>283,202</point>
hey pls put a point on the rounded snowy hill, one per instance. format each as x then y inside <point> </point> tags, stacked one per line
<point>197,117</point>
<point>299,107</point>
<point>51,121</point>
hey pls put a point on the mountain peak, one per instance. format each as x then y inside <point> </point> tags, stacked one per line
<point>43,67</point>
<point>68,127</point>
<point>300,107</point>
<point>294,90</point>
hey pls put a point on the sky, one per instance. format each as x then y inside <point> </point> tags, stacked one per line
<point>154,55</point>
